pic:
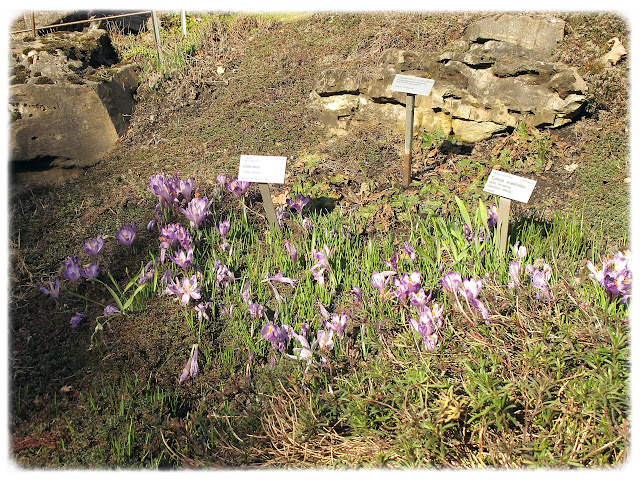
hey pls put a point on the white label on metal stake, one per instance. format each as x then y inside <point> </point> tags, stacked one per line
<point>262,169</point>
<point>509,186</point>
<point>413,85</point>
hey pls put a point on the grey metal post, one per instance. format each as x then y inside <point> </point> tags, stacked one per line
<point>408,139</point>
<point>156,36</point>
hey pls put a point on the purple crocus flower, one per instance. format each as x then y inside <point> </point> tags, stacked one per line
<point>171,235</point>
<point>191,367</point>
<point>90,271</point>
<point>110,310</point>
<point>223,228</point>
<point>539,280</point>
<point>189,289</point>
<point>202,308</point>
<point>339,323</point>
<point>392,263</point>
<point>77,318</point>
<point>223,274</point>
<point>146,273</point>
<point>94,247</point>
<point>222,180</point>
<point>299,203</point>
<point>52,291</point>
<point>408,249</point>
<point>273,334</point>
<point>186,187</point>
<point>492,216</point>
<point>281,214</point>
<point>357,293</point>
<point>238,187</point>
<point>451,281</point>
<point>197,210</point>
<point>71,269</point>
<point>470,290</point>
<point>514,275</point>
<point>379,281</point>
<point>324,339</point>
<point>127,234</point>
<point>419,299</point>
<point>255,310</point>
<point>183,259</point>
<point>292,250</point>
<point>280,278</point>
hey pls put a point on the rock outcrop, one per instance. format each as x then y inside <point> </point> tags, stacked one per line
<point>501,79</point>
<point>69,100</point>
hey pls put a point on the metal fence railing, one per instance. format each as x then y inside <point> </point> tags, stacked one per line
<point>154,19</point>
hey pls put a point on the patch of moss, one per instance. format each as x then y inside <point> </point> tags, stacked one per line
<point>20,73</point>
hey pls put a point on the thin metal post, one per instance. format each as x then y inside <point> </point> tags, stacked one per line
<point>408,140</point>
<point>504,205</point>
<point>183,18</point>
<point>156,36</point>
<point>268,204</point>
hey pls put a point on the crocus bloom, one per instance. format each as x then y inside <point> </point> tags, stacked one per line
<point>77,318</point>
<point>379,281</point>
<point>146,273</point>
<point>127,234</point>
<point>408,249</point>
<point>470,290</point>
<point>197,210</point>
<point>419,299</point>
<point>52,291</point>
<point>191,367</point>
<point>280,278</point>
<point>451,281</point>
<point>492,216</point>
<point>189,289</point>
<point>94,247</point>
<point>281,214</point>
<point>514,275</point>
<point>183,259</point>
<point>292,250</point>
<point>223,228</point>
<point>186,186</point>
<point>110,310</point>
<point>339,323</point>
<point>324,339</point>
<point>273,334</point>
<point>237,187</point>
<point>255,310</point>
<point>171,235</point>
<point>71,269</point>
<point>357,293</point>
<point>299,203</point>
<point>539,281</point>
<point>202,308</point>
<point>90,271</point>
<point>223,274</point>
<point>222,180</point>
<point>392,263</point>
<point>244,293</point>
<point>520,251</point>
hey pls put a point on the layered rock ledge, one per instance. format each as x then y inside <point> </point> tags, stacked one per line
<point>489,87</point>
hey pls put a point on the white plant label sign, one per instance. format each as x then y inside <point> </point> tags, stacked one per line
<point>509,186</point>
<point>262,169</point>
<point>413,85</point>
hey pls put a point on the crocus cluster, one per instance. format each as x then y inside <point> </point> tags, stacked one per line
<point>197,211</point>
<point>170,191</point>
<point>539,273</point>
<point>173,235</point>
<point>615,276</point>
<point>469,289</point>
